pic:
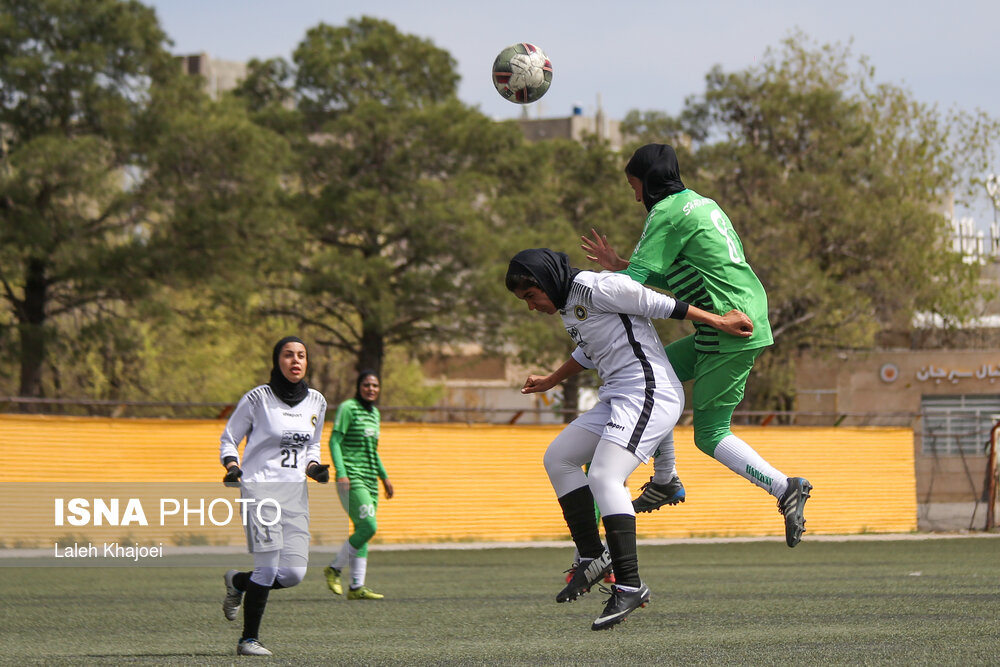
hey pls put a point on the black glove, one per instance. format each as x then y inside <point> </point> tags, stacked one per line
<point>319,472</point>
<point>232,478</point>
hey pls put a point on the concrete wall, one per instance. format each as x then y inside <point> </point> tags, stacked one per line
<point>888,386</point>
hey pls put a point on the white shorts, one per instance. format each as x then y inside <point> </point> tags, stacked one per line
<point>638,421</point>
<point>277,520</point>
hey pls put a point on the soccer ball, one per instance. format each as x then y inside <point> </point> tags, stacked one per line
<point>522,73</point>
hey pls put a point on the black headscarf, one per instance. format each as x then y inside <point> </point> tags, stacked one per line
<point>366,404</point>
<point>291,393</point>
<point>656,166</point>
<point>551,270</point>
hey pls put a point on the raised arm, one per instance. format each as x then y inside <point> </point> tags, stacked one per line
<point>599,250</point>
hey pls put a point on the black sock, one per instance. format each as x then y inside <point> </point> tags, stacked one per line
<point>578,510</point>
<point>240,580</point>
<point>254,602</point>
<point>619,529</point>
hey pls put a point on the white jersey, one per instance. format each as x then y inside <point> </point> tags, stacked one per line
<point>281,440</point>
<point>608,316</point>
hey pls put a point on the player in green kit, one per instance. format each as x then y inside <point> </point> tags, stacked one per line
<point>689,247</point>
<point>354,451</point>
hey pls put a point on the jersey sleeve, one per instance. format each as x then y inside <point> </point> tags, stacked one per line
<point>313,453</point>
<point>237,428</point>
<point>661,242</point>
<point>581,358</point>
<point>340,424</point>
<point>617,293</point>
<point>342,420</point>
<point>382,474</point>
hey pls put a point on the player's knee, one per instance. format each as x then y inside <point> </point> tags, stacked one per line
<point>559,462</point>
<point>264,576</point>
<point>602,479</point>
<point>553,460</point>
<point>365,530</point>
<point>707,439</point>
<point>290,576</point>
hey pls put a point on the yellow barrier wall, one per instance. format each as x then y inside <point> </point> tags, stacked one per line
<point>475,482</point>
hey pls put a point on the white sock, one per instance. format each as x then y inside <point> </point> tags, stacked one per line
<point>664,468</point>
<point>359,567</point>
<point>741,458</point>
<point>343,556</point>
<point>661,473</point>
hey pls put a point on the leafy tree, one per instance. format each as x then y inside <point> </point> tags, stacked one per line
<point>118,175</point>
<point>835,184</point>
<point>73,76</point>
<point>368,60</point>
<point>394,187</point>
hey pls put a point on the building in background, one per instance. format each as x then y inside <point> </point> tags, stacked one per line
<point>219,75</point>
<point>575,126</point>
<point>943,382</point>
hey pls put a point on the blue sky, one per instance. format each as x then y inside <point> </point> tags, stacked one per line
<point>634,54</point>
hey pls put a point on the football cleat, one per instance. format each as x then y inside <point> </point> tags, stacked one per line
<point>620,605</point>
<point>609,578</point>
<point>234,597</point>
<point>586,574</point>
<point>251,647</point>
<point>791,506</point>
<point>332,575</point>
<point>654,495</point>
<point>363,593</point>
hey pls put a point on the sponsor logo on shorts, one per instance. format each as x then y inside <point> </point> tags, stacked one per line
<point>613,425</point>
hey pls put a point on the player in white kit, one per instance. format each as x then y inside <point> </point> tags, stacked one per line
<point>282,422</point>
<point>608,316</point>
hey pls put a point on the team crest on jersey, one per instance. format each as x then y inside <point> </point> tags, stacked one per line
<point>580,312</point>
<point>312,420</point>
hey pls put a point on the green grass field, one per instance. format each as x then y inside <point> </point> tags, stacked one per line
<point>927,602</point>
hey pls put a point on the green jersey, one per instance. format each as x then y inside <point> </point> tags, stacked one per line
<point>690,248</point>
<point>354,444</point>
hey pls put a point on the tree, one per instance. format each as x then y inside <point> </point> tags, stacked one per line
<point>835,183</point>
<point>369,60</point>
<point>119,175</point>
<point>398,236</point>
<point>73,78</point>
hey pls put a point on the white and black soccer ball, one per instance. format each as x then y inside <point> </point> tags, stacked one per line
<point>522,73</point>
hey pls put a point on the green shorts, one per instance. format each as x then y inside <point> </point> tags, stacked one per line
<point>719,383</point>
